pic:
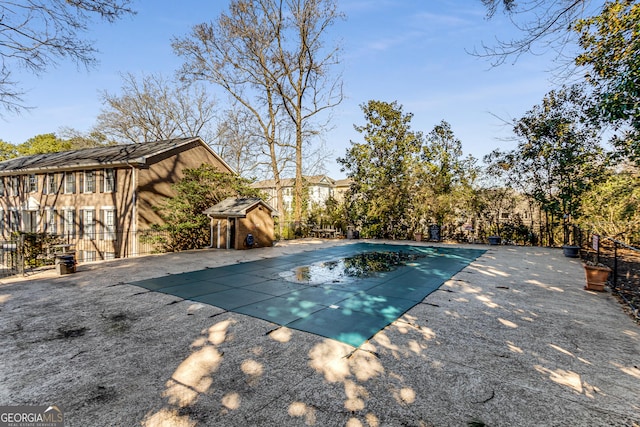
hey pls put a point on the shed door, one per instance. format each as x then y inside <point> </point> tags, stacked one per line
<point>232,233</point>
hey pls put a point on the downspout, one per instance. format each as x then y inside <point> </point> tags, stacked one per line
<point>218,233</point>
<point>211,232</point>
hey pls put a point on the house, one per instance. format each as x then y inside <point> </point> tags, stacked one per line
<point>100,198</point>
<point>341,187</point>
<point>319,189</point>
<point>241,223</point>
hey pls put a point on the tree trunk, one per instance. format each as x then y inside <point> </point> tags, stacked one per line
<point>299,185</point>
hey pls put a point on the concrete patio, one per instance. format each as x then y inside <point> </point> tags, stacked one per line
<point>513,339</point>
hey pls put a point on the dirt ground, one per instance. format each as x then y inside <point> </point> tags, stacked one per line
<point>513,339</point>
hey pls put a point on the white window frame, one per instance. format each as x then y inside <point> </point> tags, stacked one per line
<point>89,256</point>
<point>68,183</point>
<point>32,182</point>
<point>108,230</point>
<point>69,222</point>
<point>15,223</point>
<point>34,220</point>
<point>89,182</point>
<point>109,180</point>
<point>15,185</point>
<point>88,223</point>
<point>51,183</point>
<point>52,221</point>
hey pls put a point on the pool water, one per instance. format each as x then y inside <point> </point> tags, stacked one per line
<point>347,293</point>
<point>349,269</point>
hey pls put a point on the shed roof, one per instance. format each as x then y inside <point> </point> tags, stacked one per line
<point>114,155</point>
<point>237,207</point>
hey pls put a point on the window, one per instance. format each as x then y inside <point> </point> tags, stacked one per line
<point>88,224</point>
<point>51,184</point>
<point>69,183</point>
<point>2,230</point>
<point>15,185</point>
<point>108,220</point>
<point>33,183</point>
<point>52,221</point>
<point>109,255</point>
<point>88,256</point>
<point>30,219</point>
<point>69,223</point>
<point>89,182</point>
<point>1,186</point>
<point>504,215</point>
<point>109,183</point>
<point>14,220</point>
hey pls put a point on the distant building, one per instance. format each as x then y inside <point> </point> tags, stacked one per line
<point>319,189</point>
<point>341,187</point>
<point>97,198</point>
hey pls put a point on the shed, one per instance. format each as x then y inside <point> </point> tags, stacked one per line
<point>241,223</point>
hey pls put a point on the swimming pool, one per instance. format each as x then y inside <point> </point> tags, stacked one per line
<point>347,293</point>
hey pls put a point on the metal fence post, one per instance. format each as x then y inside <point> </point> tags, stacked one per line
<point>615,264</point>
<point>20,254</point>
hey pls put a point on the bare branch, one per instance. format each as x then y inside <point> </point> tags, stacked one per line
<point>544,24</point>
<point>36,34</point>
<point>153,108</point>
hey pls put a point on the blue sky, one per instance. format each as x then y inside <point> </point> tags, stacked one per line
<point>413,52</point>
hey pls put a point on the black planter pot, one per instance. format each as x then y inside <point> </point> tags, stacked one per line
<point>495,240</point>
<point>571,251</point>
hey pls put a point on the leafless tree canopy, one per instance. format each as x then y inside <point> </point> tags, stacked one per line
<point>36,34</point>
<point>270,56</point>
<point>239,141</point>
<point>152,108</point>
<point>543,24</point>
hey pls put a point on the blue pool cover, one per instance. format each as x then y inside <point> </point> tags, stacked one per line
<point>310,291</point>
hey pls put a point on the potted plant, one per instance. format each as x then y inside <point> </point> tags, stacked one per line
<point>417,236</point>
<point>597,275</point>
<point>571,251</point>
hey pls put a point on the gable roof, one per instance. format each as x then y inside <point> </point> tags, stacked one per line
<point>113,155</point>
<point>346,182</point>
<point>237,207</point>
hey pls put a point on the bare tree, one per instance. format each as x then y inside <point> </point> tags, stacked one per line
<point>270,57</point>
<point>239,141</point>
<point>307,88</point>
<point>81,140</point>
<point>233,52</point>
<point>152,108</point>
<point>544,24</point>
<point>35,34</point>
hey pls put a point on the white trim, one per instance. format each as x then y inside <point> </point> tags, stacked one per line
<point>85,181</point>
<point>51,213</point>
<point>104,180</point>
